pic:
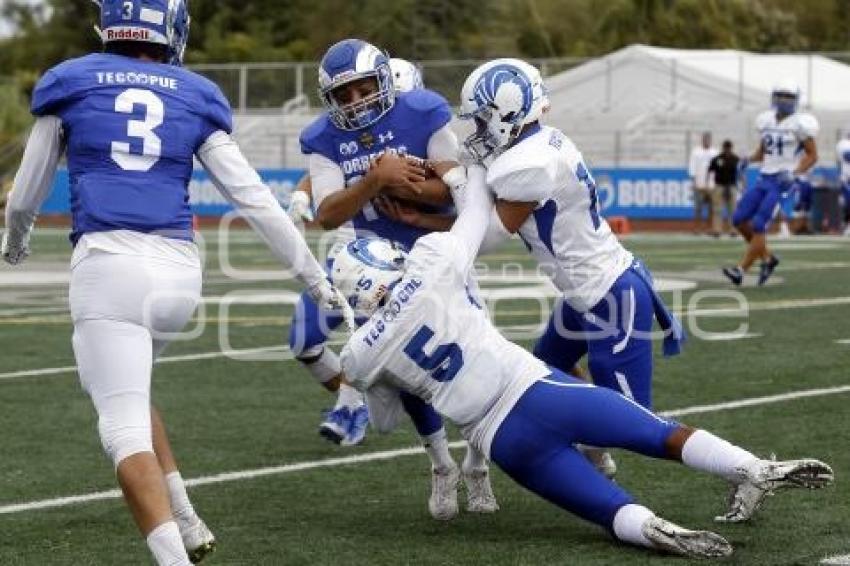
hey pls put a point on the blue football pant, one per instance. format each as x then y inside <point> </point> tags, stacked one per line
<point>534,445</point>
<point>758,203</point>
<point>311,327</point>
<point>614,334</point>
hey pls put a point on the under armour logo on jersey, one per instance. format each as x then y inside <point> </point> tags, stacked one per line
<point>349,148</point>
<point>386,137</point>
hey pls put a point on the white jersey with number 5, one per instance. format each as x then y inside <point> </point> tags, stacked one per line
<point>432,340</point>
<point>782,140</point>
<point>571,241</point>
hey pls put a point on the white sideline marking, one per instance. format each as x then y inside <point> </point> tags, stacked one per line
<point>840,560</point>
<point>392,454</point>
<point>844,341</point>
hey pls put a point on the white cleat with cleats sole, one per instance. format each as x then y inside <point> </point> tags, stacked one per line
<point>765,478</point>
<point>443,501</point>
<point>197,539</point>
<point>673,539</point>
<point>479,492</point>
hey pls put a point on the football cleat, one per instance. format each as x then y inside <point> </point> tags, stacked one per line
<point>735,275</point>
<point>443,501</point>
<point>336,424</point>
<point>197,539</point>
<point>672,538</point>
<point>765,478</point>
<point>479,492</point>
<point>358,424</point>
<point>767,268</point>
<point>601,460</point>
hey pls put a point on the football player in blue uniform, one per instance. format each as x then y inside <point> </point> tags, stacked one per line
<point>130,121</point>
<point>370,143</point>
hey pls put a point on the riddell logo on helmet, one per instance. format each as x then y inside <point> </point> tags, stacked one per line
<point>128,34</point>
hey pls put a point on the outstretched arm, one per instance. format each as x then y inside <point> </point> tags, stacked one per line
<point>31,186</point>
<point>241,185</point>
<point>474,203</point>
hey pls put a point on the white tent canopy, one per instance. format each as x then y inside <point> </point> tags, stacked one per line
<point>642,78</point>
<point>647,105</point>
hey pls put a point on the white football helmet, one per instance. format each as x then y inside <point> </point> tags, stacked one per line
<point>502,96</point>
<point>406,75</point>
<point>365,269</point>
<point>785,96</point>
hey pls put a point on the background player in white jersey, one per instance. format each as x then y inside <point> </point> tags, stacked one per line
<point>842,156</point>
<point>786,150</point>
<point>131,120</point>
<point>426,336</point>
<point>369,143</point>
<point>544,192</point>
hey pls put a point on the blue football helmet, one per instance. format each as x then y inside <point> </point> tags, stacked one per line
<point>351,60</point>
<point>164,22</point>
<point>785,96</point>
<point>501,97</point>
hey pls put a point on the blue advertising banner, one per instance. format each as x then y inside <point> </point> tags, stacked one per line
<point>637,193</point>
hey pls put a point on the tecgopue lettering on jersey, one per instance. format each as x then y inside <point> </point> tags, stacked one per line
<point>131,78</point>
<point>361,163</point>
<point>392,309</point>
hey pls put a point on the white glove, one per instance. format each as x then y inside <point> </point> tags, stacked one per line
<point>299,207</point>
<point>13,254</point>
<point>328,297</point>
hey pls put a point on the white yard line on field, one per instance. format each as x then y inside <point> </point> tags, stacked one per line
<point>392,454</point>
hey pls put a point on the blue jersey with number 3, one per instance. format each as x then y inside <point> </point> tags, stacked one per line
<point>131,129</point>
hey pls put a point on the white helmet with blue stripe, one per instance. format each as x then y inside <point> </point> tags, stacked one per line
<point>365,269</point>
<point>785,96</point>
<point>406,75</point>
<point>501,96</point>
<point>352,60</point>
<point>163,22</point>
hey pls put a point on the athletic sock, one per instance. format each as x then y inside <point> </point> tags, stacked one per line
<point>437,447</point>
<point>181,507</point>
<point>323,365</point>
<point>474,461</point>
<point>628,524</point>
<point>348,397</point>
<point>166,545</point>
<point>705,452</point>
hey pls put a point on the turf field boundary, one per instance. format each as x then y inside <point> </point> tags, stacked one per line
<point>397,453</point>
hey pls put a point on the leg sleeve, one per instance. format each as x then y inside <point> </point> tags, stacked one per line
<point>424,417</point>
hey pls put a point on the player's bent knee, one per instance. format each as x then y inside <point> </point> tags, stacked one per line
<point>124,425</point>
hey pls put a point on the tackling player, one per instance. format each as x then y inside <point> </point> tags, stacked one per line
<point>130,121</point>
<point>787,151</point>
<point>426,336</point>
<point>369,144</point>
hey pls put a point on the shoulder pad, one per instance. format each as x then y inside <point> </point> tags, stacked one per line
<point>423,101</point>
<point>217,110</point>
<point>807,125</point>
<point>53,90</point>
<point>523,177</point>
<point>318,137</point>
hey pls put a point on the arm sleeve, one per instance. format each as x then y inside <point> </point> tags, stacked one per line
<point>34,179</point>
<point>241,186</point>
<point>326,178</point>
<point>531,183</point>
<point>474,203</point>
<point>496,233</point>
<point>443,145</point>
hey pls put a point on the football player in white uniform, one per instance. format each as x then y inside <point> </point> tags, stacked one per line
<point>427,336</point>
<point>786,150</point>
<point>544,191</point>
<point>842,155</point>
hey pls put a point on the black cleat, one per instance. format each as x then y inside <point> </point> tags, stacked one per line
<point>735,275</point>
<point>767,268</point>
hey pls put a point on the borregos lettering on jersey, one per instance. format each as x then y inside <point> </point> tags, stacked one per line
<point>355,167</point>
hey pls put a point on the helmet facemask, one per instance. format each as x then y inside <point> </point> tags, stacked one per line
<point>367,110</point>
